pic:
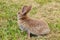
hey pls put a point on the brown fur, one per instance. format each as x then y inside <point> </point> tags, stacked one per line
<point>38,27</point>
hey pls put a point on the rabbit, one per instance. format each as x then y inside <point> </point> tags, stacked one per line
<point>34,26</point>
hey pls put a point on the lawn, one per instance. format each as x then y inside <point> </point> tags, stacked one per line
<point>49,10</point>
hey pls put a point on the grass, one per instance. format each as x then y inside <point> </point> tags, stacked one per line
<point>9,29</point>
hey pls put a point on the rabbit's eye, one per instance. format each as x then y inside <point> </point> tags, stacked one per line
<point>18,12</point>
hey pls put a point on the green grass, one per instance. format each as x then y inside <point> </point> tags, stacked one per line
<point>9,29</point>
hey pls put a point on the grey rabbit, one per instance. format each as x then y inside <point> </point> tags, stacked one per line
<point>37,27</point>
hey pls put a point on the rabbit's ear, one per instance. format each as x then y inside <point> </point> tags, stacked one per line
<point>26,9</point>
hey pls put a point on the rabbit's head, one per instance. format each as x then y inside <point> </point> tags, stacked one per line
<point>24,11</point>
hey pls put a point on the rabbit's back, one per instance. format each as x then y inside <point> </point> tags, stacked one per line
<point>40,28</point>
<point>35,27</point>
